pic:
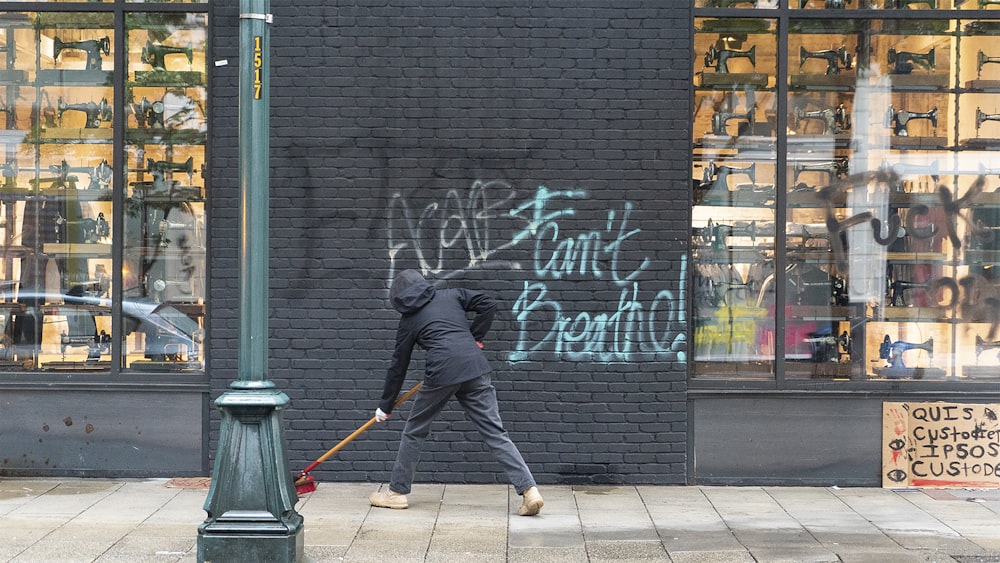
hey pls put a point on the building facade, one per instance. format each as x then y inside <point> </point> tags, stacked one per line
<point>640,185</point>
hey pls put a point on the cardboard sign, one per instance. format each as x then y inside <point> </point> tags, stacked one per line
<point>941,445</point>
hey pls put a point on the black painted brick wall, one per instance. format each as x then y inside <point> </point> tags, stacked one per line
<point>426,134</point>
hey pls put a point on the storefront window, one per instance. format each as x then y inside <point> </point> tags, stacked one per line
<point>881,262</point>
<point>102,197</point>
<point>734,194</point>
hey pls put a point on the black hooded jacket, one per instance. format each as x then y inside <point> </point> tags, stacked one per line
<point>437,321</point>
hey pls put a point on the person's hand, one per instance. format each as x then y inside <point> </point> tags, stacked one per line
<point>381,416</point>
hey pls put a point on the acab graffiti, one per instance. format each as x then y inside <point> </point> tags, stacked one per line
<point>465,231</point>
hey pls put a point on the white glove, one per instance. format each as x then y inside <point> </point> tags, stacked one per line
<point>381,416</point>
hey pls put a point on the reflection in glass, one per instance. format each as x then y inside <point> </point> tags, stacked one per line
<point>734,194</point>
<point>164,242</point>
<point>58,216</point>
<point>887,191</point>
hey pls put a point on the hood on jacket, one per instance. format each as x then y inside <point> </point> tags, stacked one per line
<point>410,291</point>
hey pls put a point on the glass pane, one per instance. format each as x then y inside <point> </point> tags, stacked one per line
<point>171,1</point>
<point>58,1</point>
<point>734,198</point>
<point>56,196</point>
<point>888,4</point>
<point>890,200</point>
<point>822,114</point>
<point>164,244</point>
<point>760,4</point>
<point>23,233</point>
<point>972,225</point>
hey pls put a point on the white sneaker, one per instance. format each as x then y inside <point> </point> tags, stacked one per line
<point>532,503</point>
<point>388,499</point>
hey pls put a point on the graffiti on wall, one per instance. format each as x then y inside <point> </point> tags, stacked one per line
<point>977,293</point>
<point>493,226</point>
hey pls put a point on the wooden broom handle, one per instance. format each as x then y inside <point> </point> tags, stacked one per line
<point>359,431</point>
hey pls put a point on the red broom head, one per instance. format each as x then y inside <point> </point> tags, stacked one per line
<point>305,484</point>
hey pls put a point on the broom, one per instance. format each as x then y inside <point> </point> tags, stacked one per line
<point>306,483</point>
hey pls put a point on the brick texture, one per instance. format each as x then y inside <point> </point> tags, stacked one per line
<point>535,150</point>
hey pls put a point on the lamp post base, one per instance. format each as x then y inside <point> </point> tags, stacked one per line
<point>251,504</point>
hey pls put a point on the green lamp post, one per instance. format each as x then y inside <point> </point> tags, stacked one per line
<point>251,503</point>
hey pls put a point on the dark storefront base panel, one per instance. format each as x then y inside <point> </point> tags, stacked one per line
<point>753,440</point>
<point>97,433</point>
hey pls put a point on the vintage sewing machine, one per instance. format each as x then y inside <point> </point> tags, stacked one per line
<point>827,347</point>
<point>163,166</point>
<point>892,352</point>
<point>100,175</point>
<point>10,112</point>
<point>982,59</point>
<point>715,177</point>
<point>983,117</point>
<point>827,290</point>
<point>89,230</point>
<point>903,62</point>
<point>79,313</point>
<point>94,48</point>
<point>828,4</point>
<point>721,119</point>
<point>154,54</point>
<point>753,229</point>
<point>719,58</point>
<point>8,170</point>
<point>161,187</point>
<point>147,113</point>
<point>713,235</point>
<point>97,113</point>
<point>96,344</point>
<point>900,4</point>
<point>898,288</point>
<point>835,120</point>
<point>835,169</point>
<point>165,226</point>
<point>899,119</point>
<point>984,345</point>
<point>900,169</point>
<point>835,59</point>
<point>156,287</point>
<point>808,233</point>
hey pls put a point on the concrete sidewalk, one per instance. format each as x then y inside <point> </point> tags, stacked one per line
<point>123,520</point>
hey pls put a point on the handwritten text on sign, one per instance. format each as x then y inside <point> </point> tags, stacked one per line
<point>941,445</point>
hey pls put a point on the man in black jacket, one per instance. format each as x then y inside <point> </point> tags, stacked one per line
<point>454,366</point>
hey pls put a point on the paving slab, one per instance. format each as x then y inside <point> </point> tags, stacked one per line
<point>712,556</point>
<point>558,526</point>
<point>626,551</point>
<point>546,554</point>
<point>963,515</point>
<point>819,511</point>
<point>138,550</point>
<point>687,522</point>
<point>61,551</point>
<point>614,514</point>
<point>894,557</point>
<point>893,513</point>
<point>472,524</point>
<point>749,508</point>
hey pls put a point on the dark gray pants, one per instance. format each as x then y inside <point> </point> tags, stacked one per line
<point>479,399</point>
